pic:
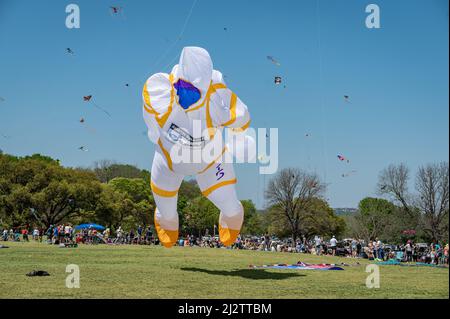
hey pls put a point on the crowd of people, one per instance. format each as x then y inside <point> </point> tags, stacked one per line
<point>66,234</point>
<point>376,250</point>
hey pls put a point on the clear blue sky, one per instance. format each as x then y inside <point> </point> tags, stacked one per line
<point>396,77</point>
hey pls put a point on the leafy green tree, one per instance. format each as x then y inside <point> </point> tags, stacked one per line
<point>200,215</point>
<point>112,207</point>
<point>375,215</point>
<point>141,204</point>
<point>319,219</point>
<point>41,191</point>
<point>106,170</point>
<point>189,190</point>
<point>253,224</point>
<point>66,193</point>
<point>136,188</point>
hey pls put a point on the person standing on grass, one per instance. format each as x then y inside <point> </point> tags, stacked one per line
<point>25,234</point>
<point>55,234</point>
<point>379,248</point>
<point>61,233</point>
<point>148,235</point>
<point>354,248</point>
<point>41,234</point>
<point>94,236</point>
<point>89,235</point>
<point>433,255</point>
<point>67,233</point>
<point>119,234</point>
<point>139,231</point>
<point>266,242</point>
<point>333,244</point>
<point>35,234</point>
<point>446,254</point>
<point>318,243</point>
<point>131,236</point>
<point>299,247</point>
<point>438,250</point>
<point>106,234</point>
<point>408,250</point>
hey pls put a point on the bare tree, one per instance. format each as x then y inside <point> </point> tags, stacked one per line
<point>431,198</point>
<point>292,191</point>
<point>103,170</point>
<point>393,181</point>
<point>432,185</point>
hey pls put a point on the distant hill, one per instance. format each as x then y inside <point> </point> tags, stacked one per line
<point>345,211</point>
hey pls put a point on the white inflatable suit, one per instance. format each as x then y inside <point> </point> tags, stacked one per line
<point>185,112</point>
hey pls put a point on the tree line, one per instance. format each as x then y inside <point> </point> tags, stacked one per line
<point>38,190</point>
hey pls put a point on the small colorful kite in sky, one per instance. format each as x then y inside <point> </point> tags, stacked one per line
<point>277,80</point>
<point>88,98</point>
<point>347,98</point>
<point>273,60</point>
<point>82,148</point>
<point>115,9</point>
<point>69,50</point>
<point>342,158</point>
<point>90,129</point>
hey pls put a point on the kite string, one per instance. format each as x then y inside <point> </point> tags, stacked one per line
<point>187,19</point>
<point>322,101</point>
<point>99,107</point>
<point>183,29</point>
<point>177,56</point>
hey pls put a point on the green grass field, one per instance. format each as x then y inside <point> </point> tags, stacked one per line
<point>156,272</point>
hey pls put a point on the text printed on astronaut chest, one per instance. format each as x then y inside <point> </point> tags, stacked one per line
<point>181,136</point>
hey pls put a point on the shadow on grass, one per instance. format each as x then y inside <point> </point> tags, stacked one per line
<point>246,273</point>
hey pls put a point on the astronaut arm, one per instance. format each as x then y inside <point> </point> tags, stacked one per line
<point>158,99</point>
<point>232,113</point>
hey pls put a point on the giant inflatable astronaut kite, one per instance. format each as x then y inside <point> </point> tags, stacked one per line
<point>193,94</point>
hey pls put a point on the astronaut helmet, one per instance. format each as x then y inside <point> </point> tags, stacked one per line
<point>192,76</point>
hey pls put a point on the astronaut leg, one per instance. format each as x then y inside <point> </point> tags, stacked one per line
<point>165,185</point>
<point>218,185</point>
